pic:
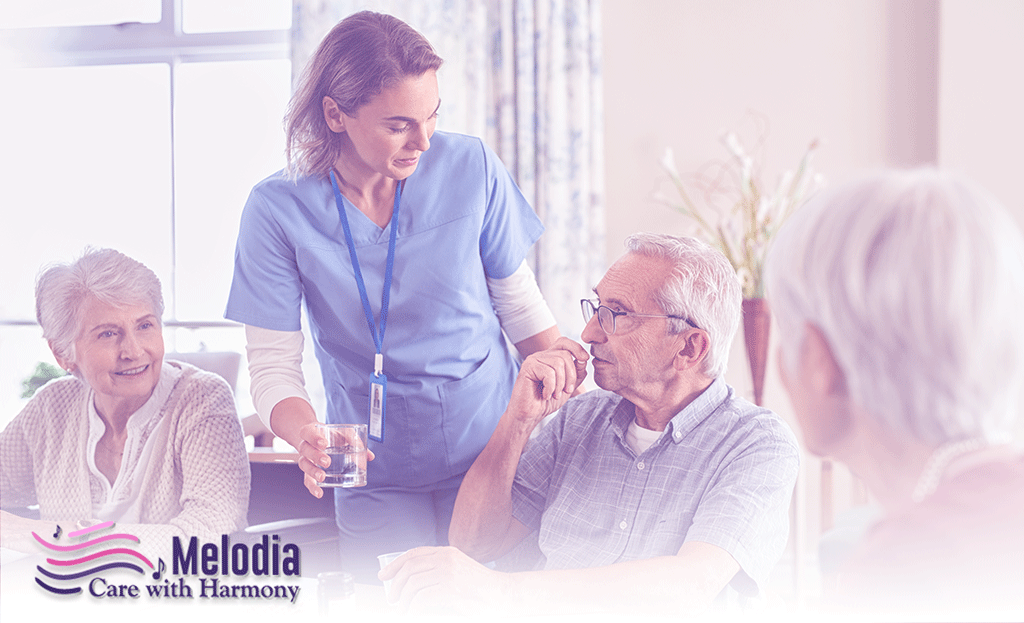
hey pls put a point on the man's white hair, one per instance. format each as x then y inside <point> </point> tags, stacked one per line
<point>704,288</point>
<point>916,279</point>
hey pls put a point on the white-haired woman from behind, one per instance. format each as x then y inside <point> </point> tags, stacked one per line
<point>153,445</point>
<point>898,297</point>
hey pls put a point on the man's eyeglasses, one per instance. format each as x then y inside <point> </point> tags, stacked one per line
<point>606,315</point>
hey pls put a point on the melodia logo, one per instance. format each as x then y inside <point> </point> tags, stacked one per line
<point>71,566</point>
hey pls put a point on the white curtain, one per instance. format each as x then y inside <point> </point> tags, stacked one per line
<point>524,75</point>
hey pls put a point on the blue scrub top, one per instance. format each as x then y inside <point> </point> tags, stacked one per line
<point>449,369</point>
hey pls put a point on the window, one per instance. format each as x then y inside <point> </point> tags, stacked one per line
<point>139,125</point>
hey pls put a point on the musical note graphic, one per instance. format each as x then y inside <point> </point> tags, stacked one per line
<point>160,569</point>
<point>56,534</point>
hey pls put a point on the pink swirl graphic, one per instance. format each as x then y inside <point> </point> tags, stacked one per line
<point>79,572</point>
<point>84,544</point>
<point>99,526</point>
<point>107,552</point>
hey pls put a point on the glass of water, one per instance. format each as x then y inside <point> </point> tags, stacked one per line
<point>346,445</point>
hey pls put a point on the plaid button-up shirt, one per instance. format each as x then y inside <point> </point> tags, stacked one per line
<point>721,473</point>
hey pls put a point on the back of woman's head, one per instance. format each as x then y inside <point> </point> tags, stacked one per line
<point>104,274</point>
<point>361,56</point>
<point>916,280</point>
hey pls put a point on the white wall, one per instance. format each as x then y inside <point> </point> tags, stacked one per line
<point>981,105</point>
<point>981,87</point>
<point>678,73</point>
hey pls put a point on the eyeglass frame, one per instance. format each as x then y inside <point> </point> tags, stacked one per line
<point>595,310</point>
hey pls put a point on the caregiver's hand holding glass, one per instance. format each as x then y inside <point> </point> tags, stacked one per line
<point>407,248</point>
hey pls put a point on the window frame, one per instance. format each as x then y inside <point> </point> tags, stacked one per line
<point>162,42</point>
<point>134,43</point>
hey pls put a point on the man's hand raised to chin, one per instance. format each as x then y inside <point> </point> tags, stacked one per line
<point>547,379</point>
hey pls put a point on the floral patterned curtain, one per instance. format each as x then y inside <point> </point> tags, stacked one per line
<point>524,75</point>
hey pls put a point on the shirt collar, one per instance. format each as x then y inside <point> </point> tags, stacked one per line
<point>169,376</point>
<point>686,420</point>
<point>697,411</point>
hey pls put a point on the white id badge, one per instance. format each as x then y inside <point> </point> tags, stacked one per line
<point>378,403</point>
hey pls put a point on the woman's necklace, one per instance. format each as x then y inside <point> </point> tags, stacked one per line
<point>937,463</point>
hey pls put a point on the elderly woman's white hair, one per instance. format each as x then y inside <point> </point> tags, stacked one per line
<point>916,279</point>
<point>104,274</point>
<point>705,289</point>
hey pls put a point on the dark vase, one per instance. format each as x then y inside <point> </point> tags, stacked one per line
<point>757,319</point>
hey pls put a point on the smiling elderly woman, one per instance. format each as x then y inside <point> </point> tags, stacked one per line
<point>128,437</point>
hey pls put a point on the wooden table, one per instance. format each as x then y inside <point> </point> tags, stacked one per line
<point>270,455</point>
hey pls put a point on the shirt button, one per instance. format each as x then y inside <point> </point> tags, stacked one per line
<point>640,465</point>
<point>678,436</point>
<point>623,525</point>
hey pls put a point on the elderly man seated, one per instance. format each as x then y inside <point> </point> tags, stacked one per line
<point>899,297</point>
<point>653,495</point>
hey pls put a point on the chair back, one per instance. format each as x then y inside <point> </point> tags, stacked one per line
<point>224,363</point>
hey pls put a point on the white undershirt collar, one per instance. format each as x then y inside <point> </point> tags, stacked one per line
<point>119,502</point>
<point>639,439</point>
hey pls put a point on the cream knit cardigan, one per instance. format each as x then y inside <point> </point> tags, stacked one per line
<point>198,485</point>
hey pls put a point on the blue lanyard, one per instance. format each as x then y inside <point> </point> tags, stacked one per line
<point>378,336</point>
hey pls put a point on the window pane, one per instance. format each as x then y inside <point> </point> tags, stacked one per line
<point>235,15</point>
<point>48,13</point>
<point>228,137</point>
<point>21,348</point>
<point>86,161</point>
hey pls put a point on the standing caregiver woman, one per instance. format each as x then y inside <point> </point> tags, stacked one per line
<point>407,246</point>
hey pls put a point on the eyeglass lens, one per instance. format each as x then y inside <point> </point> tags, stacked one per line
<point>605,317</point>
